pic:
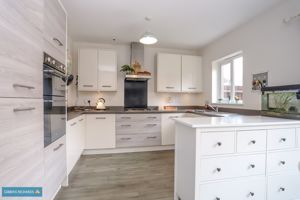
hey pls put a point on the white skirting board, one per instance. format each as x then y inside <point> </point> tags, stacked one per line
<point>127,150</point>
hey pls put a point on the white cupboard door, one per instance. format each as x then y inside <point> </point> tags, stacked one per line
<point>107,70</point>
<point>168,128</point>
<point>191,74</point>
<point>168,73</point>
<point>283,187</point>
<point>100,131</point>
<point>87,69</point>
<point>283,162</point>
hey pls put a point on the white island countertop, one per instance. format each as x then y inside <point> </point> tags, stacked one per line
<point>234,121</point>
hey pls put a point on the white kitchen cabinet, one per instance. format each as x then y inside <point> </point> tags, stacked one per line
<point>87,69</point>
<point>55,30</point>
<point>100,131</point>
<point>107,70</point>
<point>168,73</point>
<point>191,74</point>
<point>75,139</point>
<point>55,167</point>
<point>168,128</point>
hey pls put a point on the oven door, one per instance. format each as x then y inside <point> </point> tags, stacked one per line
<point>54,82</point>
<point>54,118</point>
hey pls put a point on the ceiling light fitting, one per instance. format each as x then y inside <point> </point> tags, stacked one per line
<point>148,38</point>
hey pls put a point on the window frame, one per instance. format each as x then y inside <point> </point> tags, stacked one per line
<point>220,88</point>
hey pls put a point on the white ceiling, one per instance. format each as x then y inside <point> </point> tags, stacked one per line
<point>188,24</point>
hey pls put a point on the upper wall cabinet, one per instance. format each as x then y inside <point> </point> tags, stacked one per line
<point>168,73</point>
<point>97,70</point>
<point>21,49</point>
<point>191,74</point>
<point>55,30</point>
<point>179,73</point>
<point>107,70</point>
<point>87,69</point>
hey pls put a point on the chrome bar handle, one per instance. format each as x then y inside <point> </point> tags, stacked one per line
<point>24,109</point>
<point>23,86</point>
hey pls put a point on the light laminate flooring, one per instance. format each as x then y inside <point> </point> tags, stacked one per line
<point>129,176</point>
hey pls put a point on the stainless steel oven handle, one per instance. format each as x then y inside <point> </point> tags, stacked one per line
<point>23,86</point>
<point>53,72</point>
<point>24,109</point>
<point>58,147</point>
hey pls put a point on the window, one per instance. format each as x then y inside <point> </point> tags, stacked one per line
<point>228,80</point>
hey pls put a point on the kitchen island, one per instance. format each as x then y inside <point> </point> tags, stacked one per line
<point>237,158</point>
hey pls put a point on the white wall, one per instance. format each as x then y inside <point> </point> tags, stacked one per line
<point>267,43</point>
<point>117,98</point>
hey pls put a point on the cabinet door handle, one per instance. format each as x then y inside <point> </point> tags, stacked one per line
<point>219,144</point>
<point>125,117</point>
<point>125,125</point>
<point>251,194</point>
<point>218,170</point>
<point>23,86</point>
<point>282,162</point>
<point>126,138</point>
<point>217,198</point>
<point>192,88</point>
<point>169,87</point>
<point>252,166</point>
<point>151,125</point>
<point>152,137</point>
<point>63,118</point>
<point>173,117</point>
<point>151,117</point>
<point>282,189</point>
<point>81,120</point>
<point>58,42</point>
<point>252,142</point>
<point>282,140</point>
<point>106,86</point>
<point>73,124</point>
<point>87,86</point>
<point>23,109</point>
<point>58,147</point>
<point>100,117</point>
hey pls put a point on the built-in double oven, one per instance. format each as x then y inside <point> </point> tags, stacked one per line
<point>54,75</point>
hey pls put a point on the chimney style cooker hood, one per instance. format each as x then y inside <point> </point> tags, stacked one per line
<point>137,55</point>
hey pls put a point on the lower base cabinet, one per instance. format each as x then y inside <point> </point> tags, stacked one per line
<point>100,131</point>
<point>168,128</point>
<point>55,167</point>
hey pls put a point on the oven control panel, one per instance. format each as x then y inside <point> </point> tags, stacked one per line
<point>52,62</point>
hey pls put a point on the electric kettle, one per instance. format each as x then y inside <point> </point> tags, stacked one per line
<point>100,105</point>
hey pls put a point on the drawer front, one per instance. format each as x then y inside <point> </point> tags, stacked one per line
<point>213,143</point>
<point>251,141</point>
<point>130,127</point>
<point>55,166</point>
<point>248,189</point>
<point>138,117</point>
<point>283,161</point>
<point>231,167</point>
<point>284,187</point>
<point>281,138</point>
<point>21,162</point>
<point>139,140</point>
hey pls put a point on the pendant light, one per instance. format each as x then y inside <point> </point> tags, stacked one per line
<point>148,38</point>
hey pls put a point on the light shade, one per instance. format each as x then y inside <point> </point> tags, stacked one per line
<point>148,38</point>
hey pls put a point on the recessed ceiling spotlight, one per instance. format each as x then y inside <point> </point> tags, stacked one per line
<point>148,38</point>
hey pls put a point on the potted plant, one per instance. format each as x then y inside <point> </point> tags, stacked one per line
<point>127,69</point>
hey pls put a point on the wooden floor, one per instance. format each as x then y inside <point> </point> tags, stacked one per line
<point>136,176</point>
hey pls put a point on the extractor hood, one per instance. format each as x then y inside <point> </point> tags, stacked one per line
<point>137,55</point>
